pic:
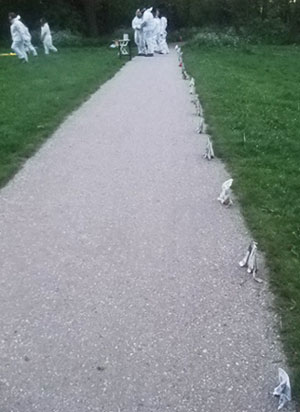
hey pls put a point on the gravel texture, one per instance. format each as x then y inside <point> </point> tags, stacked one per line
<point>120,289</point>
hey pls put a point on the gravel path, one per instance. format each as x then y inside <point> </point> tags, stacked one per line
<point>120,286</point>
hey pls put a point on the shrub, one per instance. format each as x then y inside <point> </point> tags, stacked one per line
<point>216,39</point>
<point>65,38</point>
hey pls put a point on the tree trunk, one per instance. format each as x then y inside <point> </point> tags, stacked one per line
<point>91,17</point>
<point>264,10</point>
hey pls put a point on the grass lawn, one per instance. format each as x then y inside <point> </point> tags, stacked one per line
<point>251,99</point>
<point>36,97</point>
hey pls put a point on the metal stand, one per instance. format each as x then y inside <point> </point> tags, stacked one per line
<point>125,48</point>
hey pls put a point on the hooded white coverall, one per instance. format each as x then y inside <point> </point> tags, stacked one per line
<point>47,38</point>
<point>149,31</point>
<point>138,34</point>
<point>27,38</point>
<point>157,32</point>
<point>164,49</point>
<point>17,36</point>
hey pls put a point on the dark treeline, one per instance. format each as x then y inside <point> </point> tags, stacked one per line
<point>94,17</point>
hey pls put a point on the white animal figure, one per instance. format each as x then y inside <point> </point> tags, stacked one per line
<point>192,86</point>
<point>225,195</point>
<point>283,390</point>
<point>200,128</point>
<point>209,151</point>
<point>249,260</point>
<point>199,110</point>
<point>185,76</point>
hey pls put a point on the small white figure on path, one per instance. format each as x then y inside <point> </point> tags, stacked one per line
<point>185,75</point>
<point>250,261</point>
<point>192,86</point>
<point>283,390</point>
<point>138,32</point>
<point>27,38</point>
<point>180,59</point>
<point>209,151</point>
<point>200,128</point>
<point>178,51</point>
<point>225,195</point>
<point>46,37</point>
<point>199,110</point>
<point>17,35</point>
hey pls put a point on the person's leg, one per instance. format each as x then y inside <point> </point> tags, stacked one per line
<point>139,42</point>
<point>18,48</point>
<point>157,43</point>
<point>150,43</point>
<point>30,48</point>
<point>164,46</point>
<point>33,50</point>
<point>52,48</point>
<point>46,48</point>
<point>142,43</point>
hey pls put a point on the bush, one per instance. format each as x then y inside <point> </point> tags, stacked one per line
<point>65,38</point>
<point>272,31</point>
<point>217,39</point>
<point>183,34</point>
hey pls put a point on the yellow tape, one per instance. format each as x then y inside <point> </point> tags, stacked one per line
<point>7,54</point>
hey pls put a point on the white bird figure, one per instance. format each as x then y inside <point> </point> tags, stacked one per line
<point>180,59</point>
<point>225,195</point>
<point>250,261</point>
<point>185,76</point>
<point>283,390</point>
<point>192,86</point>
<point>194,98</point>
<point>200,128</point>
<point>199,110</point>
<point>209,151</point>
<point>179,53</point>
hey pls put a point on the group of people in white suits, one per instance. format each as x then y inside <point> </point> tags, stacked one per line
<point>21,37</point>
<point>150,32</point>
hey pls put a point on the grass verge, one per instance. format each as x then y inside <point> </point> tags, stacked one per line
<point>36,97</point>
<point>251,97</point>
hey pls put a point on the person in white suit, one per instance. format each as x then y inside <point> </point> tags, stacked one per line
<point>17,35</point>
<point>149,31</point>
<point>27,38</point>
<point>164,49</point>
<point>46,37</point>
<point>157,31</point>
<point>138,32</point>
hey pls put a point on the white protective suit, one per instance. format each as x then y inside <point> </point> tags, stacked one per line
<point>157,32</point>
<point>149,31</point>
<point>27,38</point>
<point>164,49</point>
<point>138,34</point>
<point>47,38</point>
<point>18,40</point>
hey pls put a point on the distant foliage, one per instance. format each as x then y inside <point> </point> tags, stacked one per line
<point>67,38</point>
<point>214,39</point>
<point>271,20</point>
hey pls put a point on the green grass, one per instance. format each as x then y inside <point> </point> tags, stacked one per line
<point>251,99</point>
<point>36,97</point>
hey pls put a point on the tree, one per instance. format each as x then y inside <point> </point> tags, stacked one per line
<point>90,8</point>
